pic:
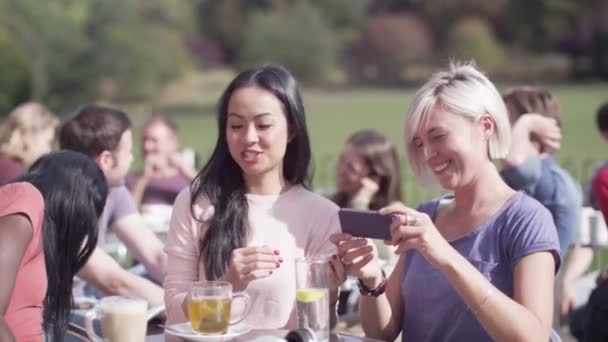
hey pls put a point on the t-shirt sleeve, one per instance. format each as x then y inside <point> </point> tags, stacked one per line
<point>524,175</point>
<point>530,229</point>
<point>23,198</point>
<point>329,224</point>
<point>183,256</point>
<point>600,191</point>
<point>124,205</point>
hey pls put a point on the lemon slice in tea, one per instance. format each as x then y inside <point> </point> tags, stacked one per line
<point>309,295</point>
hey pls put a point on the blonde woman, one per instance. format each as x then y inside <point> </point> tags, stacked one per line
<point>25,136</point>
<point>476,265</point>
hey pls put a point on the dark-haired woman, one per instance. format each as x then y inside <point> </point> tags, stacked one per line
<point>248,213</point>
<point>48,230</point>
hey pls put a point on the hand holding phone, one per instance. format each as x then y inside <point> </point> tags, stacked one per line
<point>366,223</point>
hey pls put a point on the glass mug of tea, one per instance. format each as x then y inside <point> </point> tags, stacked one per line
<point>122,319</point>
<point>210,304</point>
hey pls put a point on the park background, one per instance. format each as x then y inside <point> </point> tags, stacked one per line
<point>359,61</point>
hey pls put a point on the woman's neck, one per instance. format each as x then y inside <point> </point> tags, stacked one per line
<point>487,188</point>
<point>266,184</point>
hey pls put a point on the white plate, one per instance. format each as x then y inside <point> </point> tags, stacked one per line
<point>184,331</point>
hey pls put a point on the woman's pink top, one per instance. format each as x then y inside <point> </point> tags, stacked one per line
<point>24,312</point>
<point>297,222</point>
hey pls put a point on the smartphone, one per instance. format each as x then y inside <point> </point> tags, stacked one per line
<point>365,223</point>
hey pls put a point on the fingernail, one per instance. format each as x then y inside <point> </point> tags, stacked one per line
<point>276,252</point>
<point>278,265</point>
<point>334,257</point>
<point>269,272</point>
<point>280,259</point>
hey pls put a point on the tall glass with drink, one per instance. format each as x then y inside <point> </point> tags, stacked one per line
<point>312,295</point>
<point>210,306</point>
<point>122,320</point>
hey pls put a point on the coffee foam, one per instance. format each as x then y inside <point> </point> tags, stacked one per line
<point>123,306</point>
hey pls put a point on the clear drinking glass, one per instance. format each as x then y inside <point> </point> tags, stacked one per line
<point>312,295</point>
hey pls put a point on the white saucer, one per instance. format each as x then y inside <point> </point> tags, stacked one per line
<point>184,331</point>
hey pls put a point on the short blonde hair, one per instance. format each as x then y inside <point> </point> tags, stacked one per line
<point>24,120</point>
<point>462,90</point>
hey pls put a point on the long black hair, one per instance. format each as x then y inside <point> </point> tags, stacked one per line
<point>74,191</point>
<point>221,179</point>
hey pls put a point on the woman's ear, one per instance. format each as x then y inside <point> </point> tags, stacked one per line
<point>488,126</point>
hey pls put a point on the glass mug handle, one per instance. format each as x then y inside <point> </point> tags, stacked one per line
<point>90,316</point>
<point>245,297</point>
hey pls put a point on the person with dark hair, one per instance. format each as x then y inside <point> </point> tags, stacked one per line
<point>48,230</point>
<point>165,172</point>
<point>248,213</point>
<point>588,321</point>
<point>367,177</point>
<point>104,134</point>
<point>530,165</point>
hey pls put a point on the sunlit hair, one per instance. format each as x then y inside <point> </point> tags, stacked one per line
<point>463,90</point>
<point>530,99</point>
<point>24,121</point>
<point>380,156</point>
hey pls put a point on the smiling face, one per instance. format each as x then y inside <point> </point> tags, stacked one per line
<point>350,170</point>
<point>453,146</point>
<point>158,139</point>
<point>257,133</point>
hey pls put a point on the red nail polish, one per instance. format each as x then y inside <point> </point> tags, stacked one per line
<point>269,272</point>
<point>280,259</point>
<point>278,265</point>
<point>334,257</point>
<point>276,252</point>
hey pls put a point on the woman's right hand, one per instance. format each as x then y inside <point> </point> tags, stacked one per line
<point>357,257</point>
<point>251,263</point>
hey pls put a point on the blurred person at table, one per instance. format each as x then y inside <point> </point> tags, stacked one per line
<point>530,165</point>
<point>104,134</point>
<point>475,265</point>
<point>249,214</point>
<point>48,230</point>
<point>165,172</point>
<point>580,259</point>
<point>25,135</point>
<point>368,177</point>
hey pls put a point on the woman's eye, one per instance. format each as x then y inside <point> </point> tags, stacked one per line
<point>262,126</point>
<point>235,127</point>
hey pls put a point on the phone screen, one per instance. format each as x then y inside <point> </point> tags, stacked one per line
<point>366,223</point>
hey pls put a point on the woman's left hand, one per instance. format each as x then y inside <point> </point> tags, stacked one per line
<point>416,230</point>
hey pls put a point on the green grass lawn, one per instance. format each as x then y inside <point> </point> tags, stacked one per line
<point>333,115</point>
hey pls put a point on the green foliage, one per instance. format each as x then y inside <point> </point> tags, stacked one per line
<point>389,43</point>
<point>540,24</point>
<point>14,75</point>
<point>86,49</point>
<point>303,42</point>
<point>472,38</point>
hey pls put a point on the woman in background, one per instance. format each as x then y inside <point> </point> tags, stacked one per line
<point>48,230</point>
<point>26,135</point>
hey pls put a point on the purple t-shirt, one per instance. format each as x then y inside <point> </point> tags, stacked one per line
<point>433,309</point>
<point>161,190</point>
<point>119,204</point>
